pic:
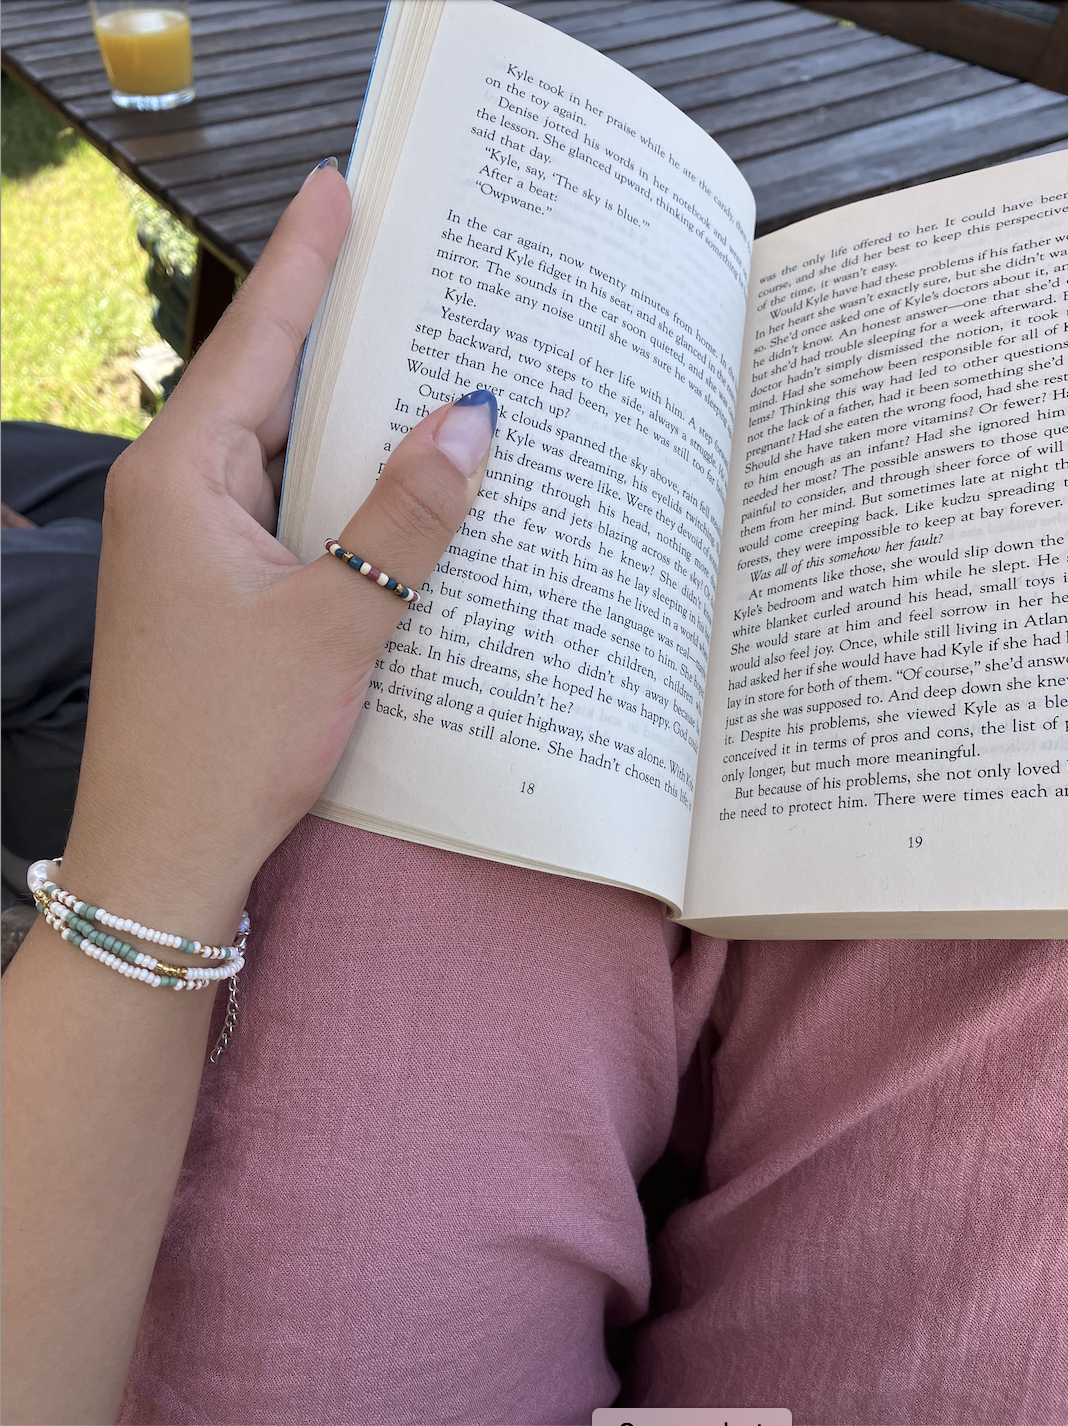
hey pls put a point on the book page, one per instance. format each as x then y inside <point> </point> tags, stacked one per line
<point>560,234</point>
<point>885,731</point>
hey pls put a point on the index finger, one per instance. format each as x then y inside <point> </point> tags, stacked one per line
<point>242,369</point>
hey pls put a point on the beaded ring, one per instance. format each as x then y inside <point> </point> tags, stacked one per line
<point>368,570</point>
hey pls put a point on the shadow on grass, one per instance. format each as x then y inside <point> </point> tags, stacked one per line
<point>31,136</point>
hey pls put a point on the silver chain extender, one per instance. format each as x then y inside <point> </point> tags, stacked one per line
<point>229,1025</point>
<point>230,1022</point>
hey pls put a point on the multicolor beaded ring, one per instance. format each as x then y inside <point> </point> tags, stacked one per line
<point>364,567</point>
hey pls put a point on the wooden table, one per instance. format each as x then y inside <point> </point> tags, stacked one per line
<point>814,111</point>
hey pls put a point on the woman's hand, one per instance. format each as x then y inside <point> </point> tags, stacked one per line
<point>226,680</point>
<point>227,677</point>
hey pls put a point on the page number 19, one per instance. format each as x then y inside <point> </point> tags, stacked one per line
<point>915,841</point>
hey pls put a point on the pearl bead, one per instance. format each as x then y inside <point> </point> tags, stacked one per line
<point>39,873</point>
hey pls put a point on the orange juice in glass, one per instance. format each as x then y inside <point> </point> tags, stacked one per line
<point>147,52</point>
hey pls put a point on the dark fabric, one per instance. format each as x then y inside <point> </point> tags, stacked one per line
<point>55,478</point>
<point>49,592</point>
<point>51,473</point>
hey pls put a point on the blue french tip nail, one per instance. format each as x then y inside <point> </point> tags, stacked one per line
<point>481,397</point>
<point>327,163</point>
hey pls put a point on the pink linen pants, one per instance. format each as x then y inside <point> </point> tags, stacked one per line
<point>411,1191</point>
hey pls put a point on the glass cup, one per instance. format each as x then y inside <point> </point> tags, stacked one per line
<point>147,51</point>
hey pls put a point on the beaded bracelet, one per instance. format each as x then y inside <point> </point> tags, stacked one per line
<point>111,951</point>
<point>37,878</point>
<point>73,920</point>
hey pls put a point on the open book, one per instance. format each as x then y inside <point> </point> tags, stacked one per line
<point>763,607</point>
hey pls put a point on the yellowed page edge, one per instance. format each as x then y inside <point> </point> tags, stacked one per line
<point>1020,925</point>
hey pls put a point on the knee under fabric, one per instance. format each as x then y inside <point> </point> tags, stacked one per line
<point>410,1193</point>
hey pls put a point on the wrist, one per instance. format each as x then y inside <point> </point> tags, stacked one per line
<point>155,882</point>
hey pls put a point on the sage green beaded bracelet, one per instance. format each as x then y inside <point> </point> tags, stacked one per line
<point>39,878</point>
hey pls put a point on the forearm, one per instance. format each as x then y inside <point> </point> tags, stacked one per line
<point>100,1079</point>
<point>227,678</point>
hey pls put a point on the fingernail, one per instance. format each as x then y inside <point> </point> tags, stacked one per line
<point>326,163</point>
<point>465,434</point>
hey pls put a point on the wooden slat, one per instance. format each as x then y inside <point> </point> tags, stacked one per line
<point>1051,71</point>
<point>706,68</point>
<point>250,252</point>
<point>292,147</point>
<point>217,41</point>
<point>818,113</point>
<point>656,26</point>
<point>549,11</point>
<point>190,146</point>
<point>752,24</point>
<point>230,107</point>
<point>1059,147</point>
<point>254,220</point>
<point>783,77</point>
<point>221,221</point>
<point>24,18</point>
<point>74,22</point>
<point>277,67</point>
<point>794,105</point>
<point>746,29</point>
<point>783,201</point>
<point>279,182</point>
<point>854,153</point>
<point>1009,43</point>
<point>618,12</point>
<point>18,11</point>
<point>777,136</point>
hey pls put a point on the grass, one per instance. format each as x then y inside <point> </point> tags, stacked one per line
<point>74,304</point>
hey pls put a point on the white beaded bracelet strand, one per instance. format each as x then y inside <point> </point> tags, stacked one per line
<point>194,978</point>
<point>64,920</point>
<point>73,920</point>
<point>45,874</point>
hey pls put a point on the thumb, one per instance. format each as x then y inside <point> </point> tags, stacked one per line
<point>419,502</point>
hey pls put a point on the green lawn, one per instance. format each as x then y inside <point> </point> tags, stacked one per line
<point>74,304</point>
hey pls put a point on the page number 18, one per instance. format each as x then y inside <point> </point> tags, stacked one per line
<point>528,787</point>
<point>915,841</point>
